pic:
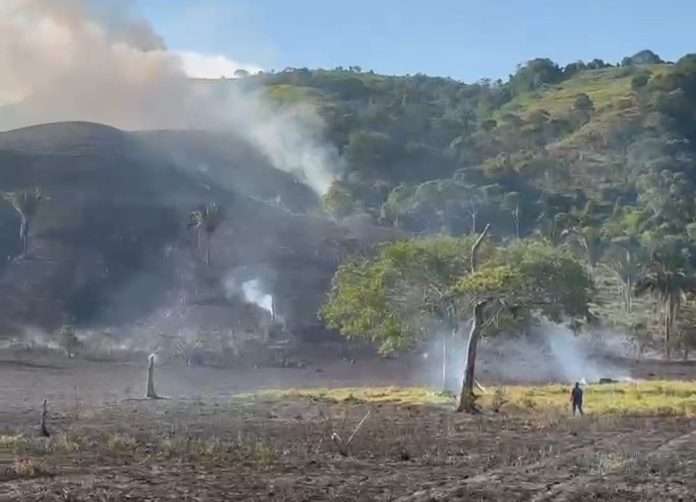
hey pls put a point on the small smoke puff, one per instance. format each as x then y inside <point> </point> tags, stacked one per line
<point>254,294</point>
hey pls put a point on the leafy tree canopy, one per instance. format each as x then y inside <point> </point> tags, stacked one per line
<point>391,298</point>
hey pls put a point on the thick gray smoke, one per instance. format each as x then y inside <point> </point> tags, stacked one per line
<point>94,61</point>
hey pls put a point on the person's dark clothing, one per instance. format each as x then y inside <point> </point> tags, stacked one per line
<point>576,399</point>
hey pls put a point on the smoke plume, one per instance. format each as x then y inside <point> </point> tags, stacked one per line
<point>95,61</point>
<point>551,353</point>
<point>254,294</point>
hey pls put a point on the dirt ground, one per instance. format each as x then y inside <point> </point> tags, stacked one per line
<point>205,444</point>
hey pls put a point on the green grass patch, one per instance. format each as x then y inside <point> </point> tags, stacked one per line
<point>607,88</point>
<point>653,398</point>
<point>286,94</point>
<point>420,396</point>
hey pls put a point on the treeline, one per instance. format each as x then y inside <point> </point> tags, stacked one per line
<point>596,157</point>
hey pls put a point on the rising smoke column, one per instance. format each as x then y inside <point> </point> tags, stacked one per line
<point>95,61</point>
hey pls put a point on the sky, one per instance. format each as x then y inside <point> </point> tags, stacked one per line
<point>463,39</point>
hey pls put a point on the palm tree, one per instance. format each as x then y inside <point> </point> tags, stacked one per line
<point>551,229</point>
<point>669,287</point>
<point>26,203</point>
<point>626,264</point>
<point>206,219</point>
<point>590,241</point>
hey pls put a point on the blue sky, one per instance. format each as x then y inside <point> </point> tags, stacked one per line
<point>464,39</point>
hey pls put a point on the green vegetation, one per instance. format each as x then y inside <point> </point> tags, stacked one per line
<point>671,398</point>
<point>393,395</point>
<point>399,297</point>
<point>594,158</point>
<point>645,398</point>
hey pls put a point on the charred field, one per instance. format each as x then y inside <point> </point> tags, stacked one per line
<point>238,440</point>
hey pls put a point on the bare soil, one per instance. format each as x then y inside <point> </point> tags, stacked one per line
<point>205,444</point>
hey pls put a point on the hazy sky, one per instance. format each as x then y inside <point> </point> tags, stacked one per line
<point>464,39</point>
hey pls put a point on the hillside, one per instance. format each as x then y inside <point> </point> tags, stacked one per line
<point>109,245</point>
<point>603,153</point>
<point>427,154</point>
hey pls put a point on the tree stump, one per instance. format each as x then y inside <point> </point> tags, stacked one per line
<point>151,394</point>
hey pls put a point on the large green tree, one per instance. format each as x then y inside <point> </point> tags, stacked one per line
<point>390,298</point>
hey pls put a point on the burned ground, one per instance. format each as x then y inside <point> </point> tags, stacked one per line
<point>213,440</point>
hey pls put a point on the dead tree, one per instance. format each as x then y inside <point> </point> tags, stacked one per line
<point>476,246</point>
<point>44,416</point>
<point>151,394</point>
<point>467,399</point>
<point>444,362</point>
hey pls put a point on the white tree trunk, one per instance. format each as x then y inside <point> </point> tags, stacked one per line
<point>444,362</point>
<point>151,394</point>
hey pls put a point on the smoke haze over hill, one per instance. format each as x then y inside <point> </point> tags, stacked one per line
<point>95,61</point>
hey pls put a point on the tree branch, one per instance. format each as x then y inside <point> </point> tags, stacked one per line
<point>475,247</point>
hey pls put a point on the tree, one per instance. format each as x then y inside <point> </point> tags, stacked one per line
<point>591,242</point>
<point>640,80</point>
<point>583,107</point>
<point>339,202</point>
<point>26,203</point>
<point>390,298</point>
<point>206,219</point>
<point>511,203</point>
<point>396,298</point>
<point>583,103</point>
<point>626,263</point>
<point>669,286</point>
<point>528,278</point>
<point>645,56</point>
<point>534,74</point>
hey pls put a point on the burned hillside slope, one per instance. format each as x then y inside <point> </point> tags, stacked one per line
<point>110,243</point>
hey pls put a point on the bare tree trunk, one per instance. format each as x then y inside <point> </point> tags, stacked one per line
<point>44,417</point>
<point>467,399</point>
<point>669,312</point>
<point>24,233</point>
<point>151,394</point>
<point>475,248</point>
<point>207,251</point>
<point>668,343</point>
<point>444,362</point>
<point>629,295</point>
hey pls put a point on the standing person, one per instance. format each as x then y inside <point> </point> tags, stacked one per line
<point>576,398</point>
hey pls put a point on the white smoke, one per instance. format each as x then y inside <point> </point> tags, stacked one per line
<point>197,65</point>
<point>95,61</point>
<point>254,294</point>
<point>551,353</point>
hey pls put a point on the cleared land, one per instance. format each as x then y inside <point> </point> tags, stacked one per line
<point>227,443</point>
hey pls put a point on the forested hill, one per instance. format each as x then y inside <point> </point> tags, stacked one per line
<point>604,149</point>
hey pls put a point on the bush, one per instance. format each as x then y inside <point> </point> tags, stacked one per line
<point>639,81</point>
